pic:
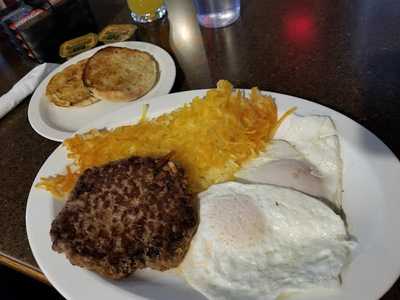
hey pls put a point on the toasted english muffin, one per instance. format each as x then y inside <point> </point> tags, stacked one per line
<point>66,88</point>
<point>120,74</point>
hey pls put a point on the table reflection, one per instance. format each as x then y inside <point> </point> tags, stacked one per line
<point>187,44</point>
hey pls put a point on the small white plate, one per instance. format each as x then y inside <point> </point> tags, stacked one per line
<point>57,123</point>
<point>371,202</point>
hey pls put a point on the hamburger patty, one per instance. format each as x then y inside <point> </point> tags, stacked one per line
<point>127,215</point>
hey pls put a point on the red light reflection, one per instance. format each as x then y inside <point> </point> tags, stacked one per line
<point>299,28</point>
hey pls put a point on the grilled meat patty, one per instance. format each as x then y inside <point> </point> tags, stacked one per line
<point>127,215</point>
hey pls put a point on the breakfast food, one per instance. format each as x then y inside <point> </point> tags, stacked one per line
<point>120,74</point>
<point>66,88</point>
<point>282,164</point>
<point>278,232</point>
<point>212,137</point>
<point>261,241</point>
<point>127,215</point>
<point>113,73</point>
<point>117,33</point>
<point>305,156</point>
<point>78,45</point>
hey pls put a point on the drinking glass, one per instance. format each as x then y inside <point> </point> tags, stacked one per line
<point>144,11</point>
<point>217,13</point>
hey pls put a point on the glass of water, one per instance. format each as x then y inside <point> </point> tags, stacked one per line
<point>217,13</point>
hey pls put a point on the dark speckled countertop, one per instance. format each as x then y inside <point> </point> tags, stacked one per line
<point>342,54</point>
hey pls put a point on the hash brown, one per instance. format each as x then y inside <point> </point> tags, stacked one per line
<point>120,74</point>
<point>66,88</point>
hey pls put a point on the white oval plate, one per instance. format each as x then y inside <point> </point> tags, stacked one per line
<point>57,123</point>
<point>371,201</point>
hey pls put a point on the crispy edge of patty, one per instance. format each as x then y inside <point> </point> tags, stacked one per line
<point>103,267</point>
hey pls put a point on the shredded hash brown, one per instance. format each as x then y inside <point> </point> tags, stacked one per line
<point>211,138</point>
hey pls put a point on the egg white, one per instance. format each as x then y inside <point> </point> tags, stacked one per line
<point>305,155</point>
<point>259,241</point>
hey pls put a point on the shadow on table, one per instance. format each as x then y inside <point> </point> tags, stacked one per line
<point>15,285</point>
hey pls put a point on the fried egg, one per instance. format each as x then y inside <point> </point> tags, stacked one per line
<point>305,156</point>
<point>258,241</point>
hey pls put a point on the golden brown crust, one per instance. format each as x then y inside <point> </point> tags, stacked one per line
<point>66,88</point>
<point>120,74</point>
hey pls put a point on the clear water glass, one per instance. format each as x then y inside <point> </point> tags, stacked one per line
<point>217,13</point>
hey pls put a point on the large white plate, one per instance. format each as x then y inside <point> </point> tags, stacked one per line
<point>58,123</point>
<point>371,201</point>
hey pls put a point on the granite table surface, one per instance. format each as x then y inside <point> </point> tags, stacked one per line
<point>341,54</point>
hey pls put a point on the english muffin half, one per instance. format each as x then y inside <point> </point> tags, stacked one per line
<point>66,88</point>
<point>120,74</point>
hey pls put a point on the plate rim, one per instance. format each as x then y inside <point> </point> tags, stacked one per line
<point>190,94</point>
<point>58,135</point>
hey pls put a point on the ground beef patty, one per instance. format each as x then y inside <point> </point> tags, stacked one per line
<point>127,215</point>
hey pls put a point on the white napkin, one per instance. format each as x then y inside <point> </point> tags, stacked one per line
<point>24,87</point>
